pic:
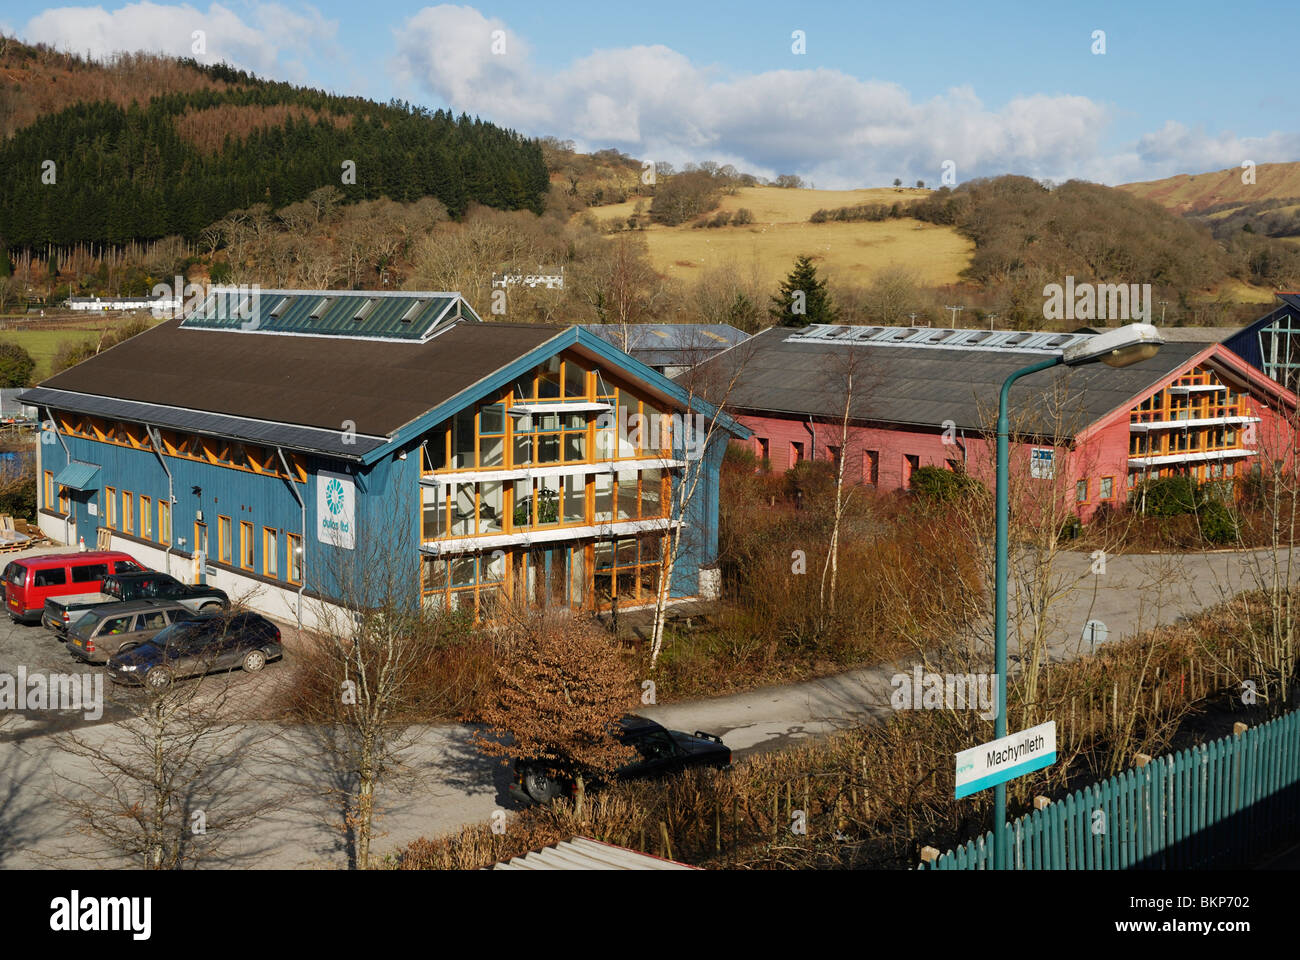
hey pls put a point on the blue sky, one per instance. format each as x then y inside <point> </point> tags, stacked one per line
<point>882,90</point>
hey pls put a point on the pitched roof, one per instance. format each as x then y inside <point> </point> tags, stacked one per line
<point>366,314</point>
<point>926,385</point>
<point>314,382</point>
<point>658,344</point>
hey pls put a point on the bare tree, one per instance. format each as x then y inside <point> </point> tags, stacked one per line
<point>365,658</point>
<point>168,787</point>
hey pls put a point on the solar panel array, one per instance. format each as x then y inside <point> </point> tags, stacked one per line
<point>1024,341</point>
<point>390,315</point>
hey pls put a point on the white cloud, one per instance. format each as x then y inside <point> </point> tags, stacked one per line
<point>831,127</point>
<point>271,40</point>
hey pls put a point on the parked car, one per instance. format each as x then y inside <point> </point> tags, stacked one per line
<point>192,648</point>
<point>103,631</point>
<point>62,612</point>
<point>29,582</point>
<point>660,753</point>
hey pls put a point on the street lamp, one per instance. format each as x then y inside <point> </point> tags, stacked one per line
<point>1116,348</point>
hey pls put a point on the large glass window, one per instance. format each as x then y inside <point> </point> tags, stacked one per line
<point>491,507</point>
<point>435,513</point>
<point>462,439</point>
<point>471,582</point>
<point>462,510</point>
<point>627,494</point>
<point>628,568</point>
<point>492,436</point>
<point>604,498</point>
<point>575,499</point>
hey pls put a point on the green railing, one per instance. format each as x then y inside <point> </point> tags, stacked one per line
<point>1225,804</point>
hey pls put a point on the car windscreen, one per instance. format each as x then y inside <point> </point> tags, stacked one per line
<point>182,634</point>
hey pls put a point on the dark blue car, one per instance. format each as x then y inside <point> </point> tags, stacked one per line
<point>193,648</point>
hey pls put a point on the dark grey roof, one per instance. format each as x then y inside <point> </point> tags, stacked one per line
<point>925,386</point>
<point>258,386</point>
<point>311,439</point>
<point>659,344</point>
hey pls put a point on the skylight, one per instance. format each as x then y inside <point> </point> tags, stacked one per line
<point>320,308</point>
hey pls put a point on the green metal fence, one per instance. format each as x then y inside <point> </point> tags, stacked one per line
<point>1225,804</point>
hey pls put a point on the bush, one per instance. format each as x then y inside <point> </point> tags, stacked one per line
<point>16,365</point>
<point>1165,496</point>
<point>1218,522</point>
<point>743,217</point>
<point>940,485</point>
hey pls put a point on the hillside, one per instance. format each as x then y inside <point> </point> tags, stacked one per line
<point>194,143</point>
<point>780,231</point>
<point>1198,193</point>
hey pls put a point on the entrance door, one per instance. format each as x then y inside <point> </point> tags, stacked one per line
<point>548,576</point>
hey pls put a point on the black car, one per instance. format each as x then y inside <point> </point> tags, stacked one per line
<point>660,753</point>
<point>196,647</point>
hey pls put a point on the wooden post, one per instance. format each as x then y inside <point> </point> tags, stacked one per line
<point>668,846</point>
<point>1041,802</point>
<point>1239,728</point>
<point>929,854</point>
<point>1141,759</point>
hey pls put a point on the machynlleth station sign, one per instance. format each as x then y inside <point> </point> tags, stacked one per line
<point>1001,760</point>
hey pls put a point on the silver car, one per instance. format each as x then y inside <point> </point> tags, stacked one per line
<point>103,631</point>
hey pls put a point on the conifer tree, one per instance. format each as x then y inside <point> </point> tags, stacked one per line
<point>803,298</point>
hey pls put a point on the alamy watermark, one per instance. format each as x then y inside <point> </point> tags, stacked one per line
<point>1129,302</point>
<point>53,691</point>
<point>951,691</point>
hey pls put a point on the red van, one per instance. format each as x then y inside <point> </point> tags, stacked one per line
<point>30,580</point>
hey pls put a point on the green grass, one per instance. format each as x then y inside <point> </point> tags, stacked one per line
<point>44,344</point>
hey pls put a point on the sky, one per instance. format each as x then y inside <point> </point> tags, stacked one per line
<point>845,95</point>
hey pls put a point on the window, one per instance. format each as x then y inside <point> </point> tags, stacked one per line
<point>89,572</point>
<point>270,552</point>
<point>146,518</point>
<point>1081,491</point>
<point>472,581</point>
<point>48,499</point>
<point>911,463</point>
<point>116,625</point>
<point>224,539</point>
<point>128,513</point>
<point>110,507</point>
<point>201,538</point>
<point>763,455</point>
<point>64,505</point>
<point>152,621</point>
<point>833,455</point>
<point>293,546</point>
<point>246,545</point>
<point>871,466</point>
<point>628,569</point>
<point>1107,488</point>
<point>796,453</point>
<point>492,436</point>
<point>50,577</point>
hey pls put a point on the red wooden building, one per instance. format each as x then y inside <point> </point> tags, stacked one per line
<point>927,397</point>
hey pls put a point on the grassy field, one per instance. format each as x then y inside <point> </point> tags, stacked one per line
<point>852,252</point>
<point>1187,192</point>
<point>43,338</point>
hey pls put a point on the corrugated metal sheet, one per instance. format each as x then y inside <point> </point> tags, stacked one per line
<point>397,315</point>
<point>78,475</point>
<point>927,385</point>
<point>583,853</point>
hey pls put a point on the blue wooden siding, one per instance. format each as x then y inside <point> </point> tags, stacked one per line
<point>242,496</point>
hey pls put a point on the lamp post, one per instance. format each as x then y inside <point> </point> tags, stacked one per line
<point>1116,348</point>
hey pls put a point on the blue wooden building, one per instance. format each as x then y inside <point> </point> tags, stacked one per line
<point>272,438</point>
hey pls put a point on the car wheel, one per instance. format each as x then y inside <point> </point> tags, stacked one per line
<point>540,787</point>
<point>127,646</point>
<point>255,661</point>
<point>159,678</point>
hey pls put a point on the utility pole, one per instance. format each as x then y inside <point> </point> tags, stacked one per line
<point>955,311</point>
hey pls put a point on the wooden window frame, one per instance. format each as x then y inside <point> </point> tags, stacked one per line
<point>48,491</point>
<point>110,507</point>
<point>1086,486</point>
<point>271,552</point>
<point>225,541</point>
<point>128,513</point>
<point>246,528</point>
<point>293,543</point>
<point>146,518</point>
<point>1101,482</point>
